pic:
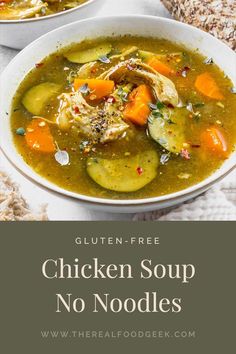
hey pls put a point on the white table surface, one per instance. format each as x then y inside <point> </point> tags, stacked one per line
<point>60,208</point>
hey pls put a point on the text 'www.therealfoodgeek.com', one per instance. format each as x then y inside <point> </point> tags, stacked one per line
<point>117,334</point>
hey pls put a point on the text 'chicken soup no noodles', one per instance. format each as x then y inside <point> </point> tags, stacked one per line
<point>125,118</point>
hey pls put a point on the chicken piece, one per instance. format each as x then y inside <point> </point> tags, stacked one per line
<point>18,10</point>
<point>100,125</point>
<point>85,71</point>
<point>137,72</point>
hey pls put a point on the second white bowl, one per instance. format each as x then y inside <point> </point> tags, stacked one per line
<point>19,33</point>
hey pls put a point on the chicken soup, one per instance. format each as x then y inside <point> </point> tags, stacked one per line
<point>23,9</point>
<point>125,118</point>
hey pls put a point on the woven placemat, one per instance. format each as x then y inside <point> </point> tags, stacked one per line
<point>217,17</point>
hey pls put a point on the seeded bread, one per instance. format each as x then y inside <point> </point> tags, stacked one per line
<point>217,17</point>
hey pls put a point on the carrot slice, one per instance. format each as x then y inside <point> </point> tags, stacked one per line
<point>213,139</point>
<point>206,84</point>
<point>137,110</point>
<point>160,67</point>
<point>38,136</point>
<point>99,88</point>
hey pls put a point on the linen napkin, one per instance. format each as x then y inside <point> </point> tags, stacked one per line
<point>218,203</point>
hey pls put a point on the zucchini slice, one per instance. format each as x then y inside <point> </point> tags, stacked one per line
<point>36,97</point>
<point>124,175</point>
<point>89,55</point>
<point>145,56</point>
<point>168,128</point>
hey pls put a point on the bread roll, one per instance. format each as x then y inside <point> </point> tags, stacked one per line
<point>217,17</point>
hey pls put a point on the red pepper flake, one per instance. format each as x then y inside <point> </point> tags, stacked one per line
<point>196,145</point>
<point>111,99</point>
<point>139,170</point>
<point>93,70</point>
<point>186,68</point>
<point>76,109</point>
<point>183,72</point>
<point>185,154</point>
<point>39,65</point>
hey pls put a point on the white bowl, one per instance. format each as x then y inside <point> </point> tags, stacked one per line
<point>183,34</point>
<point>19,33</point>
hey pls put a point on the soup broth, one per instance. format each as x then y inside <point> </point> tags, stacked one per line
<point>125,118</point>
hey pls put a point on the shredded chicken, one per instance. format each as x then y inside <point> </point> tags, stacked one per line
<point>98,124</point>
<point>135,71</point>
<point>85,71</point>
<point>104,122</point>
<point>125,53</point>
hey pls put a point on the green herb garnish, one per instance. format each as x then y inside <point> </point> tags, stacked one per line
<point>20,131</point>
<point>198,105</point>
<point>122,94</point>
<point>83,145</point>
<point>164,158</point>
<point>158,106</point>
<point>84,89</point>
<point>157,114</point>
<point>169,121</point>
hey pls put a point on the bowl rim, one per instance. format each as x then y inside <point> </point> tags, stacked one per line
<point>184,193</point>
<point>48,17</point>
